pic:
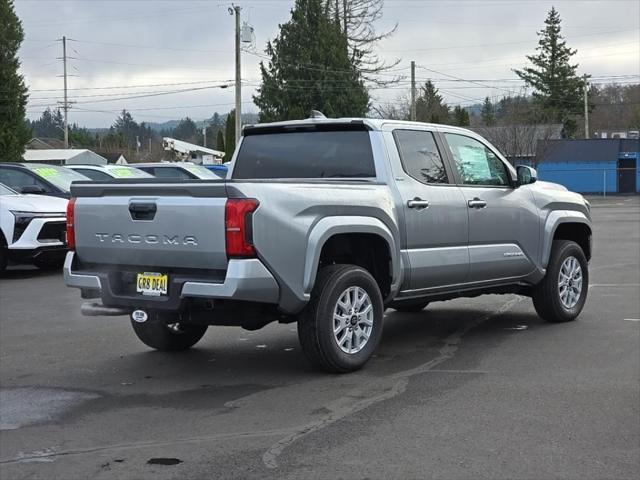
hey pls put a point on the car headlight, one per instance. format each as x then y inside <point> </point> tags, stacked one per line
<point>23,219</point>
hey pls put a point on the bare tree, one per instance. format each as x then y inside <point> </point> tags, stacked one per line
<point>358,18</point>
<point>397,109</point>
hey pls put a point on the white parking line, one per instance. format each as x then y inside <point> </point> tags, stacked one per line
<point>632,319</point>
<point>594,285</point>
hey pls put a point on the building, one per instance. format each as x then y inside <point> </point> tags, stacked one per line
<point>114,158</point>
<point>69,156</point>
<point>591,165</point>
<point>190,152</point>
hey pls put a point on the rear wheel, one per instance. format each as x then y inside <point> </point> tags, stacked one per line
<point>562,293</point>
<point>341,326</point>
<point>168,336</point>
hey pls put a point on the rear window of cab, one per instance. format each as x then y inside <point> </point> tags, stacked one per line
<point>306,153</point>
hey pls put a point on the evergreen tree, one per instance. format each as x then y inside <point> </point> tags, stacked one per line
<point>310,69</point>
<point>220,141</point>
<point>557,88</point>
<point>127,128</point>
<point>461,117</point>
<point>488,113</point>
<point>430,106</point>
<point>49,125</point>
<point>186,130</point>
<point>230,135</point>
<point>14,133</point>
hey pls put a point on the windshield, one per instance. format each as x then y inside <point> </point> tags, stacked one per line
<point>201,172</point>
<point>58,176</point>
<point>4,190</point>
<point>127,172</point>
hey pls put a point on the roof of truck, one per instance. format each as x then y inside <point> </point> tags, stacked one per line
<point>371,123</point>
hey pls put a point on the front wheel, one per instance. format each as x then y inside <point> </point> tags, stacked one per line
<point>561,295</point>
<point>168,336</point>
<point>341,326</point>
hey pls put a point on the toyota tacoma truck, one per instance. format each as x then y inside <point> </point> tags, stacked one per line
<point>327,222</point>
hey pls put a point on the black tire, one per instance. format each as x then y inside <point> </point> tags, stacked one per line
<point>546,295</point>
<point>4,259</point>
<point>168,337</point>
<point>409,306</point>
<point>316,322</point>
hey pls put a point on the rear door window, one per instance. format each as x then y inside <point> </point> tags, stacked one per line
<point>420,156</point>
<point>306,154</point>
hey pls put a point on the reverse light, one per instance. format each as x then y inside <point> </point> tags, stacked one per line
<point>238,228</point>
<point>71,230</point>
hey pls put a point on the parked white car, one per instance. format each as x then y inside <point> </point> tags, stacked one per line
<point>33,229</point>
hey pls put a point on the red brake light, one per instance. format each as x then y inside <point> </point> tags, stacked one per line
<point>71,231</point>
<point>238,227</point>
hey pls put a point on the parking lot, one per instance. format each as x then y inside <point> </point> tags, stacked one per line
<point>470,388</point>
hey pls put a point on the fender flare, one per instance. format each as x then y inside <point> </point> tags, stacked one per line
<point>330,226</point>
<point>555,219</point>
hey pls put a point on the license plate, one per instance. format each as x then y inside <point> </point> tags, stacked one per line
<point>152,284</point>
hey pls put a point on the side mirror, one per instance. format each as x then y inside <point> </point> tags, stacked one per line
<point>32,189</point>
<point>526,175</point>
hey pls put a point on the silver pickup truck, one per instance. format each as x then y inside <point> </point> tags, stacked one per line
<point>327,222</point>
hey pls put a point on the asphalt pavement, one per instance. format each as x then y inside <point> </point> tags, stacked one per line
<point>467,389</point>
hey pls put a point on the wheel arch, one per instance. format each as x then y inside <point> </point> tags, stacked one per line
<point>567,225</point>
<point>336,237</point>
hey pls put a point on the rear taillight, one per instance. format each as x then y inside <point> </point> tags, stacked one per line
<point>71,230</point>
<point>238,230</point>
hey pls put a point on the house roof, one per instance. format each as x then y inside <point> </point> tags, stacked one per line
<point>111,157</point>
<point>52,154</point>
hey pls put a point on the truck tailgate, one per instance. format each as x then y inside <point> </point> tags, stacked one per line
<point>172,225</point>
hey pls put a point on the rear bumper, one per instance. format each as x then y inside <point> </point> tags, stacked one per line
<point>245,280</point>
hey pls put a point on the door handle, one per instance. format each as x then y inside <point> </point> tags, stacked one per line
<point>418,203</point>
<point>477,203</point>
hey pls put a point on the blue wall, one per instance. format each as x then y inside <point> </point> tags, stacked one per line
<point>583,177</point>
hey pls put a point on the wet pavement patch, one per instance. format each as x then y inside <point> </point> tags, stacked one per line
<point>24,406</point>
<point>164,461</point>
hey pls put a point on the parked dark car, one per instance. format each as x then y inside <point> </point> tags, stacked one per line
<point>39,178</point>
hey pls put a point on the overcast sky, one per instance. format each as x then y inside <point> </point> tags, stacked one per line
<point>139,48</point>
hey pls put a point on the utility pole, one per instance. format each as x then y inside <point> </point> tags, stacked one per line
<point>586,108</point>
<point>413,91</point>
<point>65,106</point>
<point>237,9</point>
<point>204,134</point>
